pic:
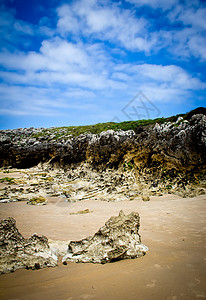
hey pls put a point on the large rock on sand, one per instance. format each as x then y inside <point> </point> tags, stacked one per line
<point>117,239</point>
<point>17,252</point>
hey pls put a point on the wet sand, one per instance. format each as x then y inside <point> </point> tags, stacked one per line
<point>173,228</point>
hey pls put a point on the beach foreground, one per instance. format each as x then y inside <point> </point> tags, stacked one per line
<point>174,267</point>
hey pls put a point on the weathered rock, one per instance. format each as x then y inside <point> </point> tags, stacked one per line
<point>17,252</point>
<point>117,239</point>
<point>163,157</point>
<point>81,212</point>
<point>177,147</point>
<point>37,201</point>
<point>145,198</point>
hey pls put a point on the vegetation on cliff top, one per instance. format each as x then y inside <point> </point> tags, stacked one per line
<point>100,127</point>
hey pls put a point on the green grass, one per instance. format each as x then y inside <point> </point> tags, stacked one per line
<point>60,132</point>
<point>7,180</point>
<point>128,166</point>
<point>100,127</point>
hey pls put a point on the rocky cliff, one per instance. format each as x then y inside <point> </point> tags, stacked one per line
<point>157,151</point>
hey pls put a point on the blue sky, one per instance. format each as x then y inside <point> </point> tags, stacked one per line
<point>84,62</point>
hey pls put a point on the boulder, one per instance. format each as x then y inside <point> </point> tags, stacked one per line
<point>17,252</point>
<point>117,239</point>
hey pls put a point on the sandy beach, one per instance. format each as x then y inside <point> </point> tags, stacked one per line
<point>174,268</point>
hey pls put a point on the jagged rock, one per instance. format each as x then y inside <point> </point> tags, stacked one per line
<point>172,153</point>
<point>17,252</point>
<point>178,146</point>
<point>117,239</point>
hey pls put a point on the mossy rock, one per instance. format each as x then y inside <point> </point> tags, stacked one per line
<point>81,212</point>
<point>7,180</point>
<point>50,179</point>
<point>42,174</point>
<point>37,201</point>
<point>145,198</point>
<point>200,192</point>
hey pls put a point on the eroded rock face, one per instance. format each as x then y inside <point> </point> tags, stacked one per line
<point>167,157</point>
<point>174,146</point>
<point>17,252</point>
<point>117,239</point>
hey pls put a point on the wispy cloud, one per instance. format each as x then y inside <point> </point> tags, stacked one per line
<point>96,51</point>
<point>189,39</point>
<point>105,22</point>
<point>164,5</point>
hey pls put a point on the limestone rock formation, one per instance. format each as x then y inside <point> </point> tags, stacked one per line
<point>177,146</point>
<point>17,252</point>
<point>117,239</point>
<point>167,155</point>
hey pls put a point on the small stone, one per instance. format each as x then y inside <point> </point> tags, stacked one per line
<point>81,212</point>
<point>37,266</point>
<point>145,198</point>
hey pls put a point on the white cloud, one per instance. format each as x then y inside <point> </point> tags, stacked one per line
<point>62,52</point>
<point>67,20</point>
<point>122,76</point>
<point>54,55</point>
<point>193,17</point>
<point>190,39</point>
<point>60,63</point>
<point>105,23</point>
<point>164,94</point>
<point>19,100</point>
<point>164,4</point>
<point>173,75</point>
<point>41,101</point>
<point>197,46</point>
<point>158,72</point>
<point>159,82</point>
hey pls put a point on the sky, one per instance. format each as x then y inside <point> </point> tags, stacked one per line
<point>82,62</point>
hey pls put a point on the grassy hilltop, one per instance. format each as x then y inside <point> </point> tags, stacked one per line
<point>126,125</point>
